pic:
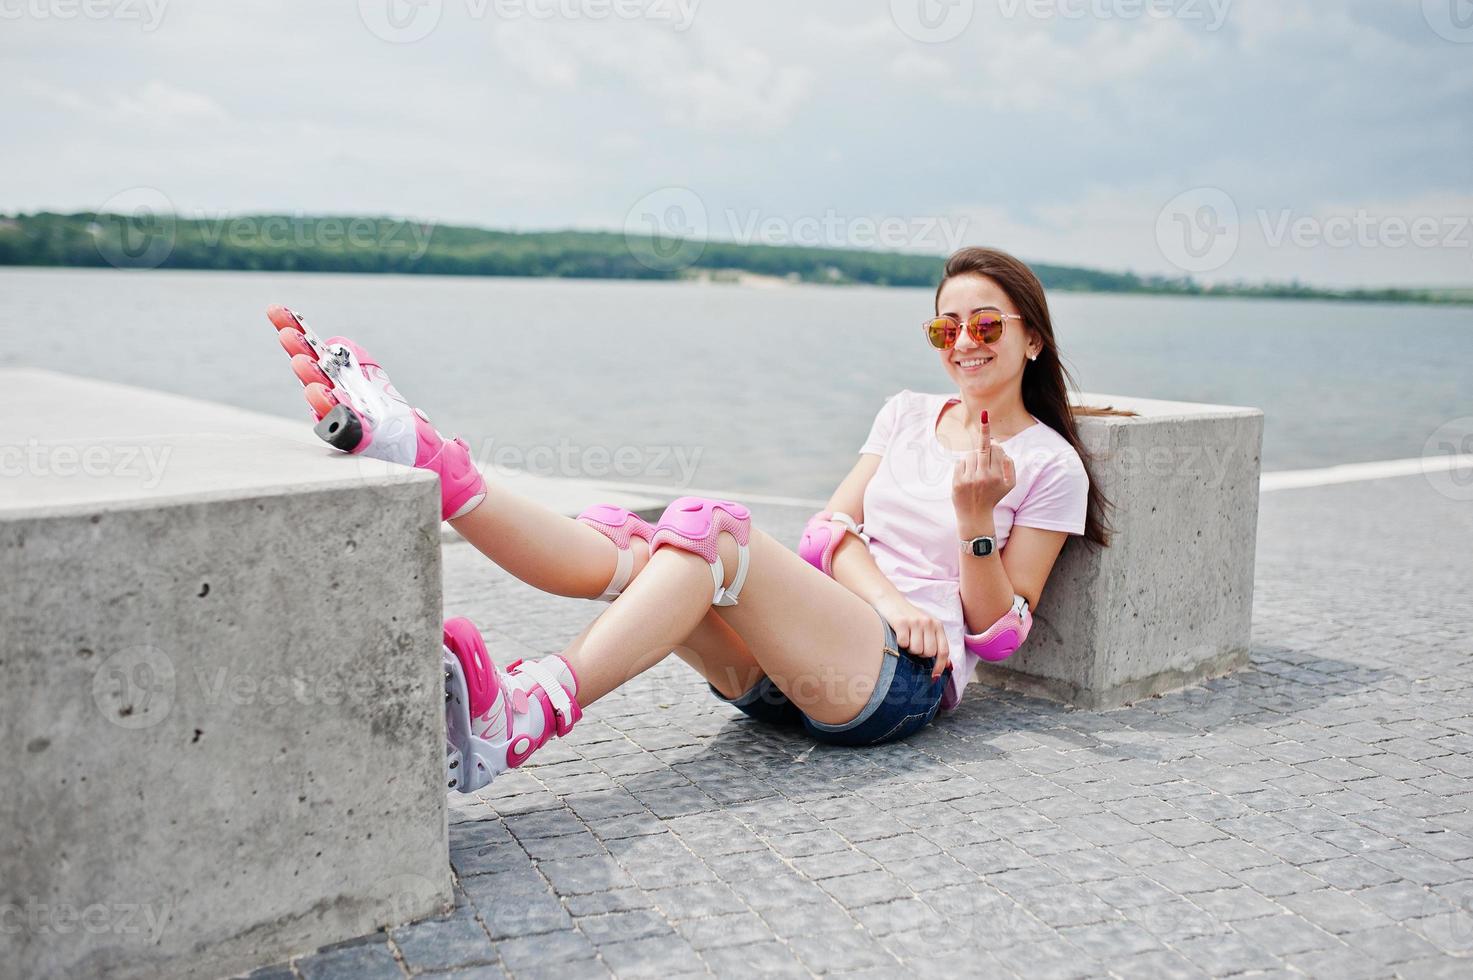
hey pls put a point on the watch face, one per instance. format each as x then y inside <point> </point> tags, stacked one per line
<point>981,547</point>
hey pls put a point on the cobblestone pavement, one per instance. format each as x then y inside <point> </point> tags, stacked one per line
<point>1307,816</point>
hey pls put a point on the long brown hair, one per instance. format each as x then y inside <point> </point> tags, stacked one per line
<point>1046,382</point>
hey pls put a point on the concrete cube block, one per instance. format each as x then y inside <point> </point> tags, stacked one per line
<point>1170,601</point>
<point>222,709</point>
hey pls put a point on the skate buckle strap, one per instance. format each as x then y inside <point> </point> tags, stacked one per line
<point>557,695</point>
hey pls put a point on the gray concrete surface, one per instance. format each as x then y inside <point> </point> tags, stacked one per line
<point>1169,603</point>
<point>222,727</point>
<point>1307,816</point>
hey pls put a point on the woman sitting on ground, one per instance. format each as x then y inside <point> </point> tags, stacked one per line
<point>931,555</point>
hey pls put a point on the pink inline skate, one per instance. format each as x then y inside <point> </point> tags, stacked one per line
<point>494,718</point>
<point>359,411</point>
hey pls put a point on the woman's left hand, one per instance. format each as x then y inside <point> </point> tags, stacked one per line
<point>980,480</point>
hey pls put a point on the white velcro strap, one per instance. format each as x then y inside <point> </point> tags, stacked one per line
<point>729,595</point>
<point>556,693</point>
<point>744,558</point>
<point>850,525</point>
<point>620,578</point>
<point>718,595</point>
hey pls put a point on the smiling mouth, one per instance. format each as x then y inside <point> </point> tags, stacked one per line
<point>974,362</point>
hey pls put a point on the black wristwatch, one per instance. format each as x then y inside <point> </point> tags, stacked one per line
<point>980,547</point>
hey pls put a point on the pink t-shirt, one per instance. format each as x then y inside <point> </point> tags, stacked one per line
<point>911,524</point>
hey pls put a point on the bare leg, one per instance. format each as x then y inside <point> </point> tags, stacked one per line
<point>566,557</point>
<point>713,649</point>
<point>541,547</point>
<point>816,640</point>
<point>655,614</point>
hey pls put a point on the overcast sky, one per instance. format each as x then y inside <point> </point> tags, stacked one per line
<point>1329,141</point>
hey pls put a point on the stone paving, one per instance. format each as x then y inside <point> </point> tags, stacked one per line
<point>1309,815</point>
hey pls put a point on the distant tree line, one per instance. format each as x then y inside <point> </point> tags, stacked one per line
<point>288,243</point>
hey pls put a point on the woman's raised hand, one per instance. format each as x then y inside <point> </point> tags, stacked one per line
<point>980,479</point>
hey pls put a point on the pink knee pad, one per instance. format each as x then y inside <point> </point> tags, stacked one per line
<point>693,524</point>
<point>823,535</point>
<point>621,527</point>
<point>1002,638</point>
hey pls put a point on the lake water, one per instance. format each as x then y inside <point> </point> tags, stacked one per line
<point>730,387</point>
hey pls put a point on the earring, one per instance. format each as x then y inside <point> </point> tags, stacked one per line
<point>1033,356</point>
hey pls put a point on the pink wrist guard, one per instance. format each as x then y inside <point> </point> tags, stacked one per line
<point>822,536</point>
<point>1002,638</point>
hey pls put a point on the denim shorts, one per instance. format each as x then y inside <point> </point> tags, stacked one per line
<point>904,701</point>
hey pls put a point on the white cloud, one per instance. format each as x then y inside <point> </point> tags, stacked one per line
<point>711,86</point>
<point>155,103</point>
<point>1059,138</point>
